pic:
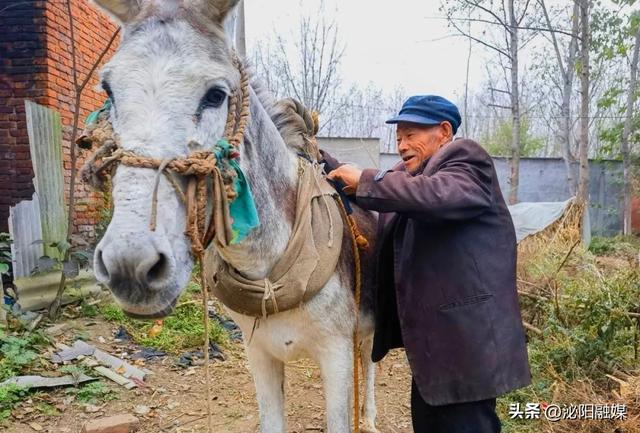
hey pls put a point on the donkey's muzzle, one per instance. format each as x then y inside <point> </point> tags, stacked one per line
<point>136,269</point>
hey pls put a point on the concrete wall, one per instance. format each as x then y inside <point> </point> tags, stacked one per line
<point>544,179</point>
<point>364,152</point>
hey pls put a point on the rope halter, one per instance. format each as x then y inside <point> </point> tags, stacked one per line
<point>197,167</point>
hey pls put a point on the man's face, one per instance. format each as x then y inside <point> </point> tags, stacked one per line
<point>416,143</point>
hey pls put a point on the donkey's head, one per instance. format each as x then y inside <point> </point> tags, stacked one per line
<point>168,82</point>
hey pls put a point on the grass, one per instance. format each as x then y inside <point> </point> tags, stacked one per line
<point>88,310</point>
<point>93,393</point>
<point>10,396</point>
<point>19,352</point>
<point>182,330</point>
<point>587,331</point>
<point>616,245</point>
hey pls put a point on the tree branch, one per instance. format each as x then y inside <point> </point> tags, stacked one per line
<point>54,308</point>
<point>465,34</point>
<point>489,11</point>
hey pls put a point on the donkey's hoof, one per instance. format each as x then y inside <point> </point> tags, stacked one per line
<point>368,427</point>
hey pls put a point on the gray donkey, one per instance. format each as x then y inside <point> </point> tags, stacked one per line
<point>169,82</point>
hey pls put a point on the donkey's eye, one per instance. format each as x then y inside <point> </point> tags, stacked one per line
<point>214,98</point>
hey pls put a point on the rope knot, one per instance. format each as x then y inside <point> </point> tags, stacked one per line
<point>201,163</point>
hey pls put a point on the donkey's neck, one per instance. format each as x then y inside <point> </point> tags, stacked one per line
<point>271,169</point>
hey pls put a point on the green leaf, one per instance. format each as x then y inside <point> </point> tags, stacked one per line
<point>4,268</point>
<point>62,246</point>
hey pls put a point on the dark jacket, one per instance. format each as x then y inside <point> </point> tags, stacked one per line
<point>446,286</point>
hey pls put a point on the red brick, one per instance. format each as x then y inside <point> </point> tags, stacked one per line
<point>113,424</point>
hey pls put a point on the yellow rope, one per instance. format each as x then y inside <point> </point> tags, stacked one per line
<point>358,243</point>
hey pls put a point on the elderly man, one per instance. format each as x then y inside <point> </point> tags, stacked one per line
<point>446,284</point>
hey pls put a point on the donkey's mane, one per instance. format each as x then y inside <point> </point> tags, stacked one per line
<point>291,119</point>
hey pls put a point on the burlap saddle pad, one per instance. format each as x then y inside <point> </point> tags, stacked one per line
<point>306,265</point>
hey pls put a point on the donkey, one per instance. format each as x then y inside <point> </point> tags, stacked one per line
<point>168,83</point>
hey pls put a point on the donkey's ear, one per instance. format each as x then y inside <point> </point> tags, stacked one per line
<point>123,10</point>
<point>215,10</point>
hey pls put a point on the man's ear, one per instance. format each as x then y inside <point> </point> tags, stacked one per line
<point>447,130</point>
<point>123,10</point>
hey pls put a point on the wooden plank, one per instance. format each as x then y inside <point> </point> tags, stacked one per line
<point>45,142</point>
<point>26,232</point>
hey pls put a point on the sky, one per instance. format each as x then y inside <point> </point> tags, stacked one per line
<point>401,43</point>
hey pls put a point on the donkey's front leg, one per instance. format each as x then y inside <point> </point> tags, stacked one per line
<point>369,374</point>
<point>336,366</point>
<point>268,376</point>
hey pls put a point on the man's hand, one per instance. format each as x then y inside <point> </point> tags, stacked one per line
<point>349,175</point>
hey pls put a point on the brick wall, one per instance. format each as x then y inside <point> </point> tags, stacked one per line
<point>37,64</point>
<point>22,43</point>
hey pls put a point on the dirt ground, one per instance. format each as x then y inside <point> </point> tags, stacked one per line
<point>176,395</point>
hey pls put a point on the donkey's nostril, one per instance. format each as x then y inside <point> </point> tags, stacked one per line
<point>153,273</point>
<point>159,270</point>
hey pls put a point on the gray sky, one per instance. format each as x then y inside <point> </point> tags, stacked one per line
<point>397,43</point>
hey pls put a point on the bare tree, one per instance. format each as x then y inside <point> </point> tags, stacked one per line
<point>363,114</point>
<point>626,132</point>
<point>502,15</point>
<point>566,64</point>
<point>311,73</point>
<point>583,150</point>
<point>307,69</point>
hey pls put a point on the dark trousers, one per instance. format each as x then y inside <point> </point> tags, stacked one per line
<point>472,417</point>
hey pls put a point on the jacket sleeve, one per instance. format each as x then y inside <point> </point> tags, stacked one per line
<point>461,188</point>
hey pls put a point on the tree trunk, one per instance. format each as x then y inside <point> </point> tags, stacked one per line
<point>583,185</point>
<point>466,88</point>
<point>567,71</point>
<point>515,106</point>
<point>624,144</point>
<point>567,129</point>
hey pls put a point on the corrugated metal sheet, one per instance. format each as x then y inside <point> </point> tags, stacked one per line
<point>26,233</point>
<point>45,143</point>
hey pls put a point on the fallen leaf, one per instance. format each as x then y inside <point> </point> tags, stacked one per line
<point>36,426</point>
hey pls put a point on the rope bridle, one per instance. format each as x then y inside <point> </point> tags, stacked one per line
<point>197,168</point>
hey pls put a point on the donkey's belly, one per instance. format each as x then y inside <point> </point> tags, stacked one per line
<point>304,331</point>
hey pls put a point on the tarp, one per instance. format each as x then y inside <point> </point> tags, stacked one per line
<point>530,218</point>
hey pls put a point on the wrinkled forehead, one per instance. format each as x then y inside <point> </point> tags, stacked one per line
<point>190,48</point>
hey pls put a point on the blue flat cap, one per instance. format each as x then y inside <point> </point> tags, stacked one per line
<point>428,110</point>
